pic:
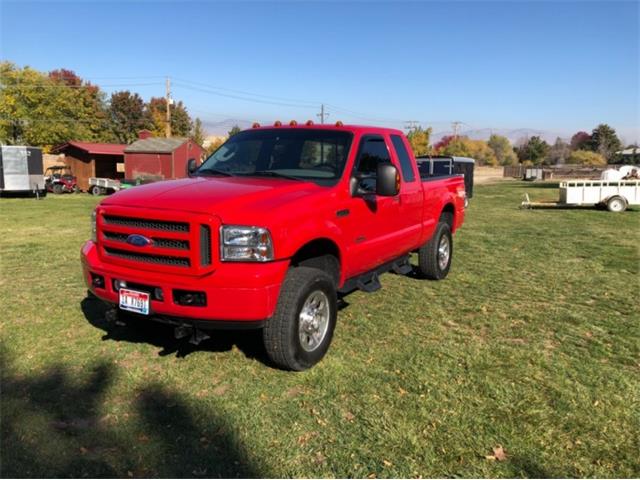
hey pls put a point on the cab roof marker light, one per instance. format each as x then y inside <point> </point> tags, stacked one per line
<point>277,123</point>
<point>255,125</point>
<point>309,123</point>
<point>293,123</point>
<point>339,123</point>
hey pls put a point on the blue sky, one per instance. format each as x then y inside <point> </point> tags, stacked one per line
<point>560,66</point>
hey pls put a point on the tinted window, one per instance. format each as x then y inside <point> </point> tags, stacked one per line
<point>441,168</point>
<point>405,159</point>
<point>310,154</point>
<point>373,150</point>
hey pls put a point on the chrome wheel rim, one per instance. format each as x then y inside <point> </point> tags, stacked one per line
<point>313,321</point>
<point>444,250</point>
<point>616,205</point>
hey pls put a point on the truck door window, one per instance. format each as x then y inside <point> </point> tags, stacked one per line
<point>404,158</point>
<point>373,150</point>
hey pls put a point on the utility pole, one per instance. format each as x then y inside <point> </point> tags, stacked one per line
<point>411,125</point>
<point>322,113</point>
<point>455,125</point>
<point>167,125</point>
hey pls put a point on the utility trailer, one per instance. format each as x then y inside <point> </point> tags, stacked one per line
<point>615,195</point>
<point>21,170</point>
<point>103,186</point>
<point>433,166</point>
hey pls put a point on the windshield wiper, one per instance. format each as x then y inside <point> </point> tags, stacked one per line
<point>273,173</point>
<point>213,171</point>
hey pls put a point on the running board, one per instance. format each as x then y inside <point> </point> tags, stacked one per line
<point>369,282</point>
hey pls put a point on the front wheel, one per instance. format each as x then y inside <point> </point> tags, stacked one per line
<point>300,332</point>
<point>58,188</point>
<point>434,257</point>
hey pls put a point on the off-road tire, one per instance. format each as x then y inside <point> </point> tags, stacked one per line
<point>58,188</point>
<point>428,262</point>
<point>281,332</point>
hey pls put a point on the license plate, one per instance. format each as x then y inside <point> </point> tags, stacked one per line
<point>132,301</point>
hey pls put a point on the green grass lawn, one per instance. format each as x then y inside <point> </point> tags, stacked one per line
<point>532,344</point>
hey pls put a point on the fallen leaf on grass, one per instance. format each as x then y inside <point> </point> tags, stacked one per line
<point>294,392</point>
<point>221,390</point>
<point>402,391</point>
<point>499,454</point>
<point>305,437</point>
<point>387,463</point>
<point>349,417</point>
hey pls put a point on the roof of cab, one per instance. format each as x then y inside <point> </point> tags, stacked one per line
<point>330,126</point>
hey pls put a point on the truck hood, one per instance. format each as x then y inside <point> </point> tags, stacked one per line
<point>222,196</point>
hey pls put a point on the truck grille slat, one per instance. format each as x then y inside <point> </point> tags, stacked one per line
<point>147,224</point>
<point>157,241</point>
<point>148,258</point>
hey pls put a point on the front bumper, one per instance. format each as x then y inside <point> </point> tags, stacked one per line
<point>235,292</point>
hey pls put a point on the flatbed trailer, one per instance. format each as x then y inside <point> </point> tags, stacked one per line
<point>615,195</point>
<point>104,186</point>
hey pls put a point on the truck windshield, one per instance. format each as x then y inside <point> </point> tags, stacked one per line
<point>297,154</point>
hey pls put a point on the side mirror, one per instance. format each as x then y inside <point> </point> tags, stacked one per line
<point>387,180</point>
<point>191,166</point>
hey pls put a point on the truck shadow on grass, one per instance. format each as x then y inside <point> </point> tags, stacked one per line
<point>249,342</point>
<point>54,425</point>
<point>161,335</point>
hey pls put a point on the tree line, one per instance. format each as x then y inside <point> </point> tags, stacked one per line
<point>597,148</point>
<point>47,109</point>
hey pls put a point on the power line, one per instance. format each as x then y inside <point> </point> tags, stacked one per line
<point>249,94</point>
<point>62,85</point>
<point>238,97</point>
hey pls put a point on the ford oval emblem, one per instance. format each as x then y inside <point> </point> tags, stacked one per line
<point>139,240</point>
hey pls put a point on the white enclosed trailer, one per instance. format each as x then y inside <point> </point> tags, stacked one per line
<point>21,170</point>
<point>616,195</point>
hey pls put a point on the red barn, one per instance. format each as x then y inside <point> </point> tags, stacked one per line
<point>93,160</point>
<point>159,158</point>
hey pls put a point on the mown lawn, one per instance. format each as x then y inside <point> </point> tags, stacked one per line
<point>532,344</point>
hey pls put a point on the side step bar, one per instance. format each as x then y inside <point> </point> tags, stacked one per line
<point>369,282</point>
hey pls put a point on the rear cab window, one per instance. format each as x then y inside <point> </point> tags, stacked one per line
<point>404,158</point>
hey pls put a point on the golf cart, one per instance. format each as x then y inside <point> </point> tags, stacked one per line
<point>58,179</point>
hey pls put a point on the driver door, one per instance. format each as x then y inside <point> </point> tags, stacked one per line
<point>372,222</point>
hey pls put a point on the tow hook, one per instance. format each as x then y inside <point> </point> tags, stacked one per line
<point>196,335</point>
<point>111,316</point>
<point>182,331</point>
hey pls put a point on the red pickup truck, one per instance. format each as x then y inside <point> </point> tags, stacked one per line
<point>269,231</point>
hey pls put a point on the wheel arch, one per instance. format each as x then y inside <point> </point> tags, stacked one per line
<point>317,253</point>
<point>448,214</point>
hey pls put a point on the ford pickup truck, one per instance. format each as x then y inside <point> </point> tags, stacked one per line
<point>269,231</point>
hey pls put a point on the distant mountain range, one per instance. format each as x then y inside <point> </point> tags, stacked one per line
<point>513,134</point>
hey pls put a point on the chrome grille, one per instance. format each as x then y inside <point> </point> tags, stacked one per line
<point>148,258</point>
<point>146,224</point>
<point>157,241</point>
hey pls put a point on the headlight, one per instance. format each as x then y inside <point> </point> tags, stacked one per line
<point>93,226</point>
<point>245,244</point>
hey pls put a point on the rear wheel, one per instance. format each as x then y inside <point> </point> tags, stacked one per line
<point>300,332</point>
<point>95,190</point>
<point>616,204</point>
<point>58,188</point>
<point>434,257</point>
